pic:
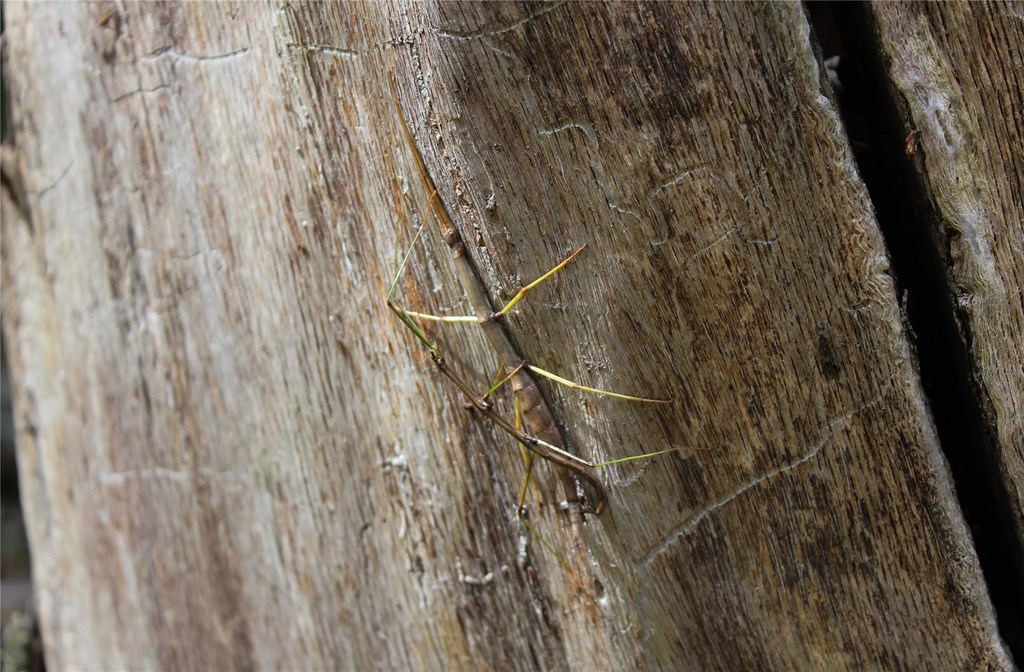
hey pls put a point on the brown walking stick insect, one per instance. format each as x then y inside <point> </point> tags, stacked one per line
<point>539,433</point>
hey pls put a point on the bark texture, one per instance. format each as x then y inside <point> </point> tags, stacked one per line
<point>234,456</point>
<point>955,75</point>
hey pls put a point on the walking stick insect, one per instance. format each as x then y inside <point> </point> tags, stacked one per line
<point>535,427</point>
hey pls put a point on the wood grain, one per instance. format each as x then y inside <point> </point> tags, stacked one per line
<point>234,457</point>
<point>954,74</point>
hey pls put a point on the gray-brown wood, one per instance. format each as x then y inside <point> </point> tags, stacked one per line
<point>234,456</point>
<point>955,69</point>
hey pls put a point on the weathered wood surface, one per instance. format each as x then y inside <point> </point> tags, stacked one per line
<point>957,71</point>
<point>233,456</point>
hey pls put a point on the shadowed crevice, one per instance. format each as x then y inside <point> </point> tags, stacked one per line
<point>875,117</point>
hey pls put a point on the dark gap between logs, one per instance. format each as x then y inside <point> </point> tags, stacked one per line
<point>877,130</point>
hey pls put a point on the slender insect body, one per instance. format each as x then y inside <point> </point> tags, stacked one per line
<point>536,416</point>
<point>539,434</point>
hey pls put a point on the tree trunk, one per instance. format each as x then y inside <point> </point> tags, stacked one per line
<point>954,80</point>
<point>233,455</point>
